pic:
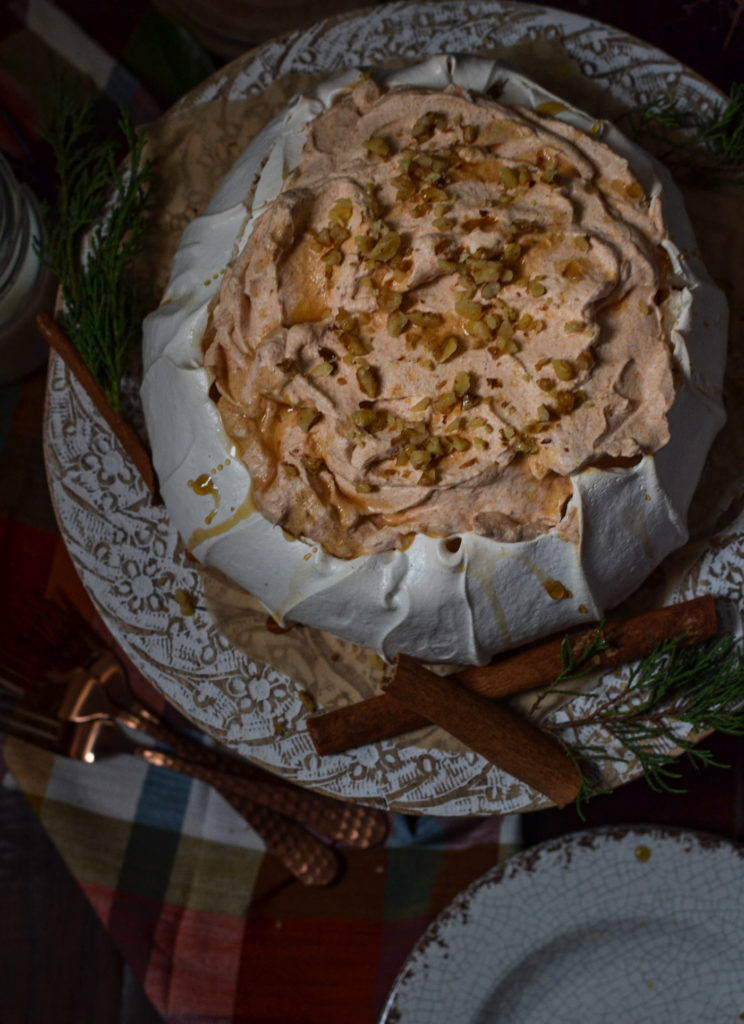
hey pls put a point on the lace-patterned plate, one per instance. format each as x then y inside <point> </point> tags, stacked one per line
<point>138,572</point>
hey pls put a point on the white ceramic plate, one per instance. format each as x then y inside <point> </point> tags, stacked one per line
<point>614,926</point>
<point>128,554</point>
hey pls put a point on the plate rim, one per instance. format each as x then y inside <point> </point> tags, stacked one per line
<point>548,853</point>
<point>454,793</point>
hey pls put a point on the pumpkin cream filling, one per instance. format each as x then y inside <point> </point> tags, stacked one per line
<point>450,308</point>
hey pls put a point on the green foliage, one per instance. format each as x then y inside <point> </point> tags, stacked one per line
<point>711,151</point>
<point>95,235</point>
<point>675,689</point>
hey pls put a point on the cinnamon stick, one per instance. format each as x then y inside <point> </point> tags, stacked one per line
<point>379,718</point>
<point>367,721</point>
<point>489,728</point>
<point>124,432</point>
<point>691,621</point>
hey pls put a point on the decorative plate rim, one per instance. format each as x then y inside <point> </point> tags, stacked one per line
<point>226,694</point>
<point>488,894</point>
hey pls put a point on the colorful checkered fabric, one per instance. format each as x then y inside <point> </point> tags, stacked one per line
<point>215,929</point>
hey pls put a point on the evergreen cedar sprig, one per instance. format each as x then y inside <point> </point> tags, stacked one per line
<point>677,686</point>
<point>711,151</point>
<point>95,234</point>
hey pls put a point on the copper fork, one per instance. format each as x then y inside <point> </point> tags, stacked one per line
<point>88,682</point>
<point>311,861</point>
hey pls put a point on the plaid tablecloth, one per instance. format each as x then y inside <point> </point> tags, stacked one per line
<point>212,928</point>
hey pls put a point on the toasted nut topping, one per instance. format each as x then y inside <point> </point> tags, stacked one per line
<point>356,346</point>
<point>428,477</point>
<point>307,415</point>
<point>574,326</point>
<point>565,401</point>
<point>468,308</point>
<point>368,381</point>
<point>387,247</point>
<point>325,369</point>
<point>507,346</point>
<point>581,242</point>
<point>478,329</point>
<point>333,257</point>
<point>491,290</point>
<point>445,402</point>
<point>448,266</point>
<point>485,271</point>
<point>390,300</point>
<point>572,271</point>
<point>341,211</point>
<point>564,369</point>
<point>644,307</point>
<point>422,318</point>
<point>377,145</point>
<point>364,243</point>
<point>339,233</point>
<point>462,383</point>
<point>364,417</point>
<point>449,348</point>
<point>585,359</point>
<point>536,289</point>
<point>527,445</point>
<point>419,458</point>
<point>397,323</point>
<point>433,194</point>
<point>508,176</point>
<point>427,123</point>
<point>512,252</point>
<point>363,488</point>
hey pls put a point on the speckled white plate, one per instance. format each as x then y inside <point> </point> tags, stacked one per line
<point>613,926</point>
<point>135,567</point>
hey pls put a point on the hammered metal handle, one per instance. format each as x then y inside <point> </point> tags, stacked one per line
<point>335,819</point>
<point>340,820</point>
<point>309,860</point>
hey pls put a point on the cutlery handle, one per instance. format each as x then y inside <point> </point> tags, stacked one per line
<point>309,860</point>
<point>340,820</point>
<point>336,819</point>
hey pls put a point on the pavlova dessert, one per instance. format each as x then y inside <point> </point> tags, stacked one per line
<point>439,368</point>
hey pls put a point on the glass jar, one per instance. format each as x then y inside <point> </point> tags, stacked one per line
<point>26,286</point>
